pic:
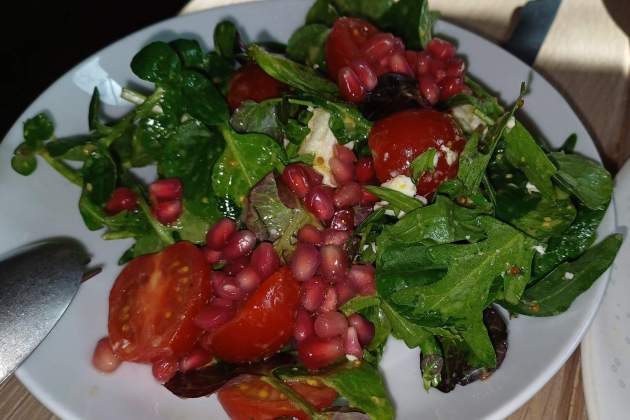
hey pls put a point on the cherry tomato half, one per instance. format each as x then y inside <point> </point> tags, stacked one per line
<point>398,139</point>
<point>347,37</point>
<point>153,303</point>
<point>263,325</point>
<point>249,398</point>
<point>250,82</point>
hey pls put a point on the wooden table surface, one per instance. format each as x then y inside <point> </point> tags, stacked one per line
<point>587,56</point>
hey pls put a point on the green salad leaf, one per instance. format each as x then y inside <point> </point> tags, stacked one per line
<point>590,182</point>
<point>422,163</point>
<point>307,45</point>
<point>412,20</point>
<point>226,39</point>
<point>322,12</point>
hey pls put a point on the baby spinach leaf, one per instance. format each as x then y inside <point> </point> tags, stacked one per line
<point>226,39</point>
<point>157,63</point>
<point>219,71</point>
<point>370,9</point>
<point>307,45</point>
<point>298,76</point>
<point>202,99</point>
<point>190,53</point>
<point>259,117</point>
<point>23,161</point>
<point>37,130</point>
<point>590,182</point>
<point>411,20</point>
<point>99,176</point>
<point>192,227</point>
<point>322,11</point>
<point>247,158</point>
<point>422,163</point>
<point>395,198</point>
<point>555,292</point>
<point>522,151</point>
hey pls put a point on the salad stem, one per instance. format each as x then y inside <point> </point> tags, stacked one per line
<point>66,171</point>
<point>161,231</point>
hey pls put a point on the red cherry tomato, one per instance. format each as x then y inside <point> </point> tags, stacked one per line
<point>347,37</point>
<point>154,301</point>
<point>249,398</point>
<point>263,325</point>
<point>397,140</point>
<point>250,82</point>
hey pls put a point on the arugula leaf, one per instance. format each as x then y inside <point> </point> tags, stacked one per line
<point>322,11</point>
<point>590,182</point>
<point>405,330</point>
<point>397,199</point>
<point>555,293</point>
<point>99,176</point>
<point>299,76</point>
<point>307,45</point>
<point>157,63</point>
<point>247,158</point>
<point>226,39</point>
<point>358,303</point>
<point>411,20</point>
<point>422,163</point>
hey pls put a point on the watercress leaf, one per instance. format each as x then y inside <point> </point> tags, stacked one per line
<point>422,163</point>
<point>298,76</point>
<point>226,39</point>
<point>37,130</point>
<point>61,146</point>
<point>190,53</point>
<point>590,182</point>
<point>202,99</point>
<point>395,198</point>
<point>411,20</point>
<point>258,117</point>
<point>247,158</point>
<point>555,292</point>
<point>99,176</point>
<point>370,9</point>
<point>522,151</point>
<point>322,11</point>
<point>157,63</point>
<point>307,45</point>
<point>571,243</point>
<point>23,161</point>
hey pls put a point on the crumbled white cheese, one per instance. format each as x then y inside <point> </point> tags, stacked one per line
<point>466,117</point>
<point>436,158</point>
<point>321,143</point>
<point>386,156</point>
<point>365,246</point>
<point>349,145</point>
<point>422,199</point>
<point>568,276</point>
<point>531,188</point>
<point>351,358</point>
<point>540,249</point>
<point>511,122</point>
<point>373,245</point>
<point>451,155</point>
<point>401,183</point>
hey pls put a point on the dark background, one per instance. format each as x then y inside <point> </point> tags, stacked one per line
<point>41,40</point>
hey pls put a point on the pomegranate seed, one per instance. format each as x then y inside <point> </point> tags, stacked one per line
<point>319,201</point>
<point>104,359</point>
<point>441,49</point>
<point>212,316</point>
<point>361,213</point>
<point>212,256</point>
<point>423,66</point>
<point>350,86</point>
<point>345,292</point>
<point>166,189</point>
<point>164,369</point>
<point>121,199</point>
<point>379,46</point>
<point>330,324</point>
<point>455,67</point>
<point>412,58</point>
<point>330,302</point>
<point>451,86</point>
<point>219,233</point>
<point>352,344</point>
<point>335,237</point>
<point>311,235</point>
<point>303,328</point>
<point>343,172</point>
<point>382,66</point>
<point>304,262</point>
<point>168,211</point>
<point>399,45</point>
<point>226,286</point>
<point>398,64</point>
<point>314,177</point>
<point>364,170</point>
<point>365,329</point>
<point>312,294</point>
<point>344,154</point>
<point>342,220</point>
<point>347,195</point>
<point>364,72</point>
<point>221,302</point>
<point>437,69</point>
<point>334,262</point>
<point>297,179</point>
<point>239,244</point>
<point>429,89</point>
<point>316,353</point>
<point>367,198</point>
<point>265,260</point>
<point>248,279</point>
<point>197,358</point>
<point>236,265</point>
<point>363,279</point>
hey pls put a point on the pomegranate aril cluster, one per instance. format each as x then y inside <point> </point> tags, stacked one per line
<point>166,199</point>
<point>439,72</point>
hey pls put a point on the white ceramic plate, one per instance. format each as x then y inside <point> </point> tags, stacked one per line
<point>606,347</point>
<point>44,205</point>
